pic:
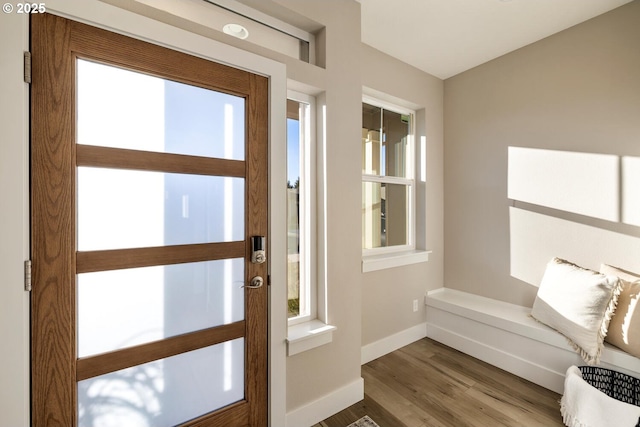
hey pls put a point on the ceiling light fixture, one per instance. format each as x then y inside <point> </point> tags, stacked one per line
<point>236,30</point>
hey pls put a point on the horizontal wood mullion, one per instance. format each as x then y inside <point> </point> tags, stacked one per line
<point>105,46</point>
<point>120,158</point>
<point>93,366</point>
<point>235,414</point>
<point>116,259</point>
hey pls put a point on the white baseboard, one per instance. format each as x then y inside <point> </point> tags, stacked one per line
<point>393,342</point>
<point>346,396</point>
<point>318,410</point>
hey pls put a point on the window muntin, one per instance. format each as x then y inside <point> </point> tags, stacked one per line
<point>301,284</point>
<point>388,185</point>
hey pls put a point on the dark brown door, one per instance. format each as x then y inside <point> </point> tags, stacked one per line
<point>149,176</point>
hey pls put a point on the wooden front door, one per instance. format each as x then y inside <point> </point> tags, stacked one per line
<point>148,178</point>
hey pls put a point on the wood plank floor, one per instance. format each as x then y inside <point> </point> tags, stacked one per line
<point>427,384</point>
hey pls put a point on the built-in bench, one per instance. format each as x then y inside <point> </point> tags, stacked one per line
<point>504,335</point>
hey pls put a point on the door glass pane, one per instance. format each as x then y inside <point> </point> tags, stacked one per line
<point>122,308</point>
<point>125,109</point>
<point>384,214</point>
<point>165,392</point>
<point>127,209</point>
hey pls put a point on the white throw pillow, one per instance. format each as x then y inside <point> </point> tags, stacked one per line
<point>578,303</point>
<point>624,328</point>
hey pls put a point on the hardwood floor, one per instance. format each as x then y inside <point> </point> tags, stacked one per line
<point>427,384</point>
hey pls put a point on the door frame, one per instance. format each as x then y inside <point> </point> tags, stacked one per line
<point>95,13</point>
<point>14,226</point>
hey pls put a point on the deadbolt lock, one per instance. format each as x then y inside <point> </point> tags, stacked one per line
<point>258,250</point>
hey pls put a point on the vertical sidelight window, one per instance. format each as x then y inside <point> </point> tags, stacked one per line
<point>301,265</point>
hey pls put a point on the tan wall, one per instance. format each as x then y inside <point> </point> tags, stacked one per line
<point>372,306</point>
<point>318,372</point>
<point>387,295</point>
<point>579,91</point>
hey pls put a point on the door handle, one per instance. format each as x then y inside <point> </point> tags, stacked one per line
<point>256,283</point>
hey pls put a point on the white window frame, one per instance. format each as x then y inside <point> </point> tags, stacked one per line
<point>307,194</point>
<point>311,330</point>
<point>409,180</point>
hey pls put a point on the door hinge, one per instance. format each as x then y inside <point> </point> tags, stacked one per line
<point>27,67</point>
<point>27,275</point>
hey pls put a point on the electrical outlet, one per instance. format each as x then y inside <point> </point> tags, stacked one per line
<point>415,305</point>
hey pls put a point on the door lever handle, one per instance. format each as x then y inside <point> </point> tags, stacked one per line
<point>256,282</point>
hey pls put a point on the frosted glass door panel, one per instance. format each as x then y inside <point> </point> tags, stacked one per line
<point>125,109</point>
<point>127,209</point>
<point>122,308</point>
<point>165,392</point>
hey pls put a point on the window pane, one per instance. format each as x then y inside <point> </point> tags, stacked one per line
<point>165,392</point>
<point>293,211</point>
<point>396,132</point>
<point>126,209</point>
<point>384,214</point>
<point>122,308</point>
<point>384,142</point>
<point>371,141</point>
<point>125,109</point>
<point>299,195</point>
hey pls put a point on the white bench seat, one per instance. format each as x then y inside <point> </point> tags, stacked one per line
<point>504,335</point>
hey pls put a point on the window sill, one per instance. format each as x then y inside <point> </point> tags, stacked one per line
<point>396,259</point>
<point>308,335</point>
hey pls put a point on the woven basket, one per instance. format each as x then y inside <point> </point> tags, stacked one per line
<point>616,385</point>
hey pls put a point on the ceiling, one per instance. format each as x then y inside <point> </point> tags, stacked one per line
<point>447,37</point>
